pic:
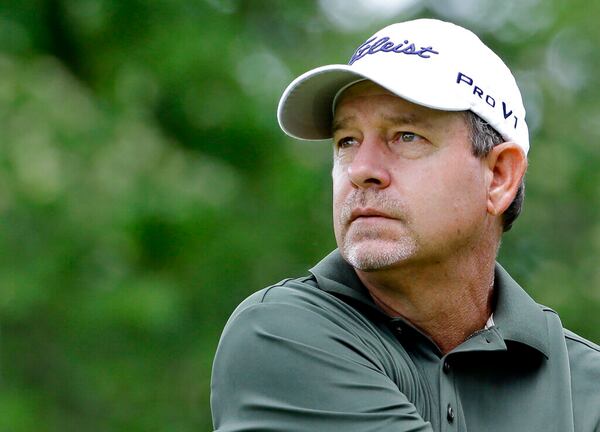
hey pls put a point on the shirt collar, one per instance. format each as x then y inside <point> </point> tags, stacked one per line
<point>336,276</point>
<point>517,317</point>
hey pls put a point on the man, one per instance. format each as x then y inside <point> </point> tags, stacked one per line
<point>410,325</point>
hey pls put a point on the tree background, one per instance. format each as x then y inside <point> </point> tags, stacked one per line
<point>145,188</point>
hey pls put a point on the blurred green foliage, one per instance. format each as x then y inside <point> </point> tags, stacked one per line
<point>145,188</point>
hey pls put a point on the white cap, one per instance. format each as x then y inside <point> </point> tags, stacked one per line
<point>428,62</point>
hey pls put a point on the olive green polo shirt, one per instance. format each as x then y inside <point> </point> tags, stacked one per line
<point>316,354</point>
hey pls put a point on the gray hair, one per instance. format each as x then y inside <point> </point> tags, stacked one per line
<point>483,139</point>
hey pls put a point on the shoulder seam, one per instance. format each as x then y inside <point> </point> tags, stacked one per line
<point>283,282</point>
<point>583,342</point>
<point>280,284</point>
<point>547,309</point>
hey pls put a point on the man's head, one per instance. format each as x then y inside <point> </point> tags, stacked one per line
<point>419,173</point>
<point>407,184</point>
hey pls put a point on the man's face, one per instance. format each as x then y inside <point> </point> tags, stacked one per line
<point>406,186</point>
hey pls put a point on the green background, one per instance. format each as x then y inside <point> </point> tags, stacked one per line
<point>145,188</point>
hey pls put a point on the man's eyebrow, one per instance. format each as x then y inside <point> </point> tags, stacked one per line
<point>341,123</point>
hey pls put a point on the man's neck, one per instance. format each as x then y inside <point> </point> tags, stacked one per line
<point>448,301</point>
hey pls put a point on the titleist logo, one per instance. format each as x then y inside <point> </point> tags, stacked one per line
<point>384,44</point>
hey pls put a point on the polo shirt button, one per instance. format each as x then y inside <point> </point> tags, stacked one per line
<point>446,367</point>
<point>450,414</point>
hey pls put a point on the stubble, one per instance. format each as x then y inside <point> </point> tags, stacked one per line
<point>370,248</point>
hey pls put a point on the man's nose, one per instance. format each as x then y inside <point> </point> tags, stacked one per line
<point>369,167</point>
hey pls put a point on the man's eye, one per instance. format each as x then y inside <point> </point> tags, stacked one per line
<point>346,142</point>
<point>407,136</point>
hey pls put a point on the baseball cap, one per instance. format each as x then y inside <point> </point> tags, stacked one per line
<point>429,62</point>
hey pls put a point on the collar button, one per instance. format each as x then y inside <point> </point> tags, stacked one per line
<point>450,414</point>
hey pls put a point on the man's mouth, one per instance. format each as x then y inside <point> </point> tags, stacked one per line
<point>368,213</point>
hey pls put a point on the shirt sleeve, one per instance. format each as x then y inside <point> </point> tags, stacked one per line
<point>284,367</point>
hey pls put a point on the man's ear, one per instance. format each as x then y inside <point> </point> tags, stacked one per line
<point>507,164</point>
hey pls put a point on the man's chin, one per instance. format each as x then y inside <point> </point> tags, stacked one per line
<point>377,255</point>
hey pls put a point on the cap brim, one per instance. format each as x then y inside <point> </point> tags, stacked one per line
<point>305,109</point>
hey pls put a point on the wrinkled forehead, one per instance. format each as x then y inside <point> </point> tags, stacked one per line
<point>357,89</point>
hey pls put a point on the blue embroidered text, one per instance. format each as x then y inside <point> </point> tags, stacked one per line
<point>386,45</point>
<point>489,99</point>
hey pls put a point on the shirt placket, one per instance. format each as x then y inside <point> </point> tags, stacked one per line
<point>449,406</point>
